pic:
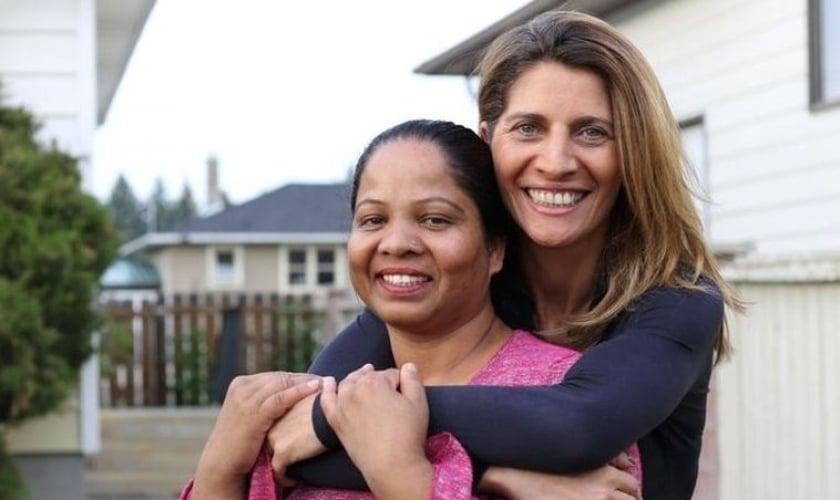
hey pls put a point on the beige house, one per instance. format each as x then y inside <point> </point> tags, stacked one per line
<point>290,241</point>
<point>756,87</point>
<point>64,59</point>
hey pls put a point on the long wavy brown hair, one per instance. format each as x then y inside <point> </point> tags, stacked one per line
<point>656,236</point>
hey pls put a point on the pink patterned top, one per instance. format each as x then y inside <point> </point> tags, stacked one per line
<point>523,360</point>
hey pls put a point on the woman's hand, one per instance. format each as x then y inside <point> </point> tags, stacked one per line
<point>292,439</point>
<point>605,483</point>
<point>381,419</point>
<point>251,406</point>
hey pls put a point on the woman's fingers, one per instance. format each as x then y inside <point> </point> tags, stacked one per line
<point>626,484</point>
<point>329,400</point>
<point>279,403</point>
<point>622,461</point>
<point>411,386</point>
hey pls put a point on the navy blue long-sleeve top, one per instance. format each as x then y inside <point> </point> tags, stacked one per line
<point>645,381</point>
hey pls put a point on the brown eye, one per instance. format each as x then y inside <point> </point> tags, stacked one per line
<point>370,221</point>
<point>436,221</point>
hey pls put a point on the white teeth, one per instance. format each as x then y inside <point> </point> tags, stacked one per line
<point>403,279</point>
<point>555,198</point>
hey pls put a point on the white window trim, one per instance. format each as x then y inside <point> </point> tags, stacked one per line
<point>238,280</point>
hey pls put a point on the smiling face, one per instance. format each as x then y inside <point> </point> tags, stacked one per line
<point>417,251</point>
<point>556,157</point>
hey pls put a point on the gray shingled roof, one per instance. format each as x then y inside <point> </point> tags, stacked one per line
<point>294,208</point>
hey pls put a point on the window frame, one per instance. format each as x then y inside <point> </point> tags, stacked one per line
<point>297,267</point>
<point>233,279</point>
<point>816,71</point>
<point>701,168</point>
<point>325,267</point>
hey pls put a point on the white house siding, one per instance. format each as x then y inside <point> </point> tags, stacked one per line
<point>47,63</point>
<point>774,165</point>
<point>773,173</point>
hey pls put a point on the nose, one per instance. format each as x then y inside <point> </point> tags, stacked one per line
<point>557,155</point>
<point>400,239</point>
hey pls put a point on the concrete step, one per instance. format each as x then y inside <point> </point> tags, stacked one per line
<point>147,454</point>
<point>134,485</point>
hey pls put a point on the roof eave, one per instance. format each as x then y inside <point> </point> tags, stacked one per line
<point>118,27</point>
<point>156,240</point>
<point>462,58</point>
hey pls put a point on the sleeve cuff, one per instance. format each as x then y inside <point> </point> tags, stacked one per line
<point>323,431</point>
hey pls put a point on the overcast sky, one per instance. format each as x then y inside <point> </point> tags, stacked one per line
<point>278,91</point>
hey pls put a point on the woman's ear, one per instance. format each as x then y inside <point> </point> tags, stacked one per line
<point>497,255</point>
<point>484,131</point>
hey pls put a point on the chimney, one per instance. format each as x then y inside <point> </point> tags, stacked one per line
<point>214,194</point>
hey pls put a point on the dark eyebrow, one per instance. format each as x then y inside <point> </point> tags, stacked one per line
<point>368,201</point>
<point>431,199</point>
<point>441,199</point>
<point>577,123</point>
<point>592,120</point>
<point>524,115</point>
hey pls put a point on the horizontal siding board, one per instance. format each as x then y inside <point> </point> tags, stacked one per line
<point>818,150</point>
<point>797,126</point>
<point>58,94</point>
<point>813,226</point>
<point>39,52</point>
<point>37,15</point>
<point>779,192</point>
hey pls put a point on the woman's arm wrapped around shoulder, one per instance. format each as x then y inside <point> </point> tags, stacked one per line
<point>617,392</point>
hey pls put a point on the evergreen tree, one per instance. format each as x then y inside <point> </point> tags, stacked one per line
<point>126,210</point>
<point>55,242</point>
<point>159,213</point>
<point>184,209</point>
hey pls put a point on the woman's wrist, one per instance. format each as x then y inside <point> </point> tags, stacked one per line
<point>208,486</point>
<point>393,482</point>
<point>496,480</point>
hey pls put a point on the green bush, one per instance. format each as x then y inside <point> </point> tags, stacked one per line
<point>55,242</point>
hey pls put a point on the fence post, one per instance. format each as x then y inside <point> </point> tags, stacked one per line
<point>228,365</point>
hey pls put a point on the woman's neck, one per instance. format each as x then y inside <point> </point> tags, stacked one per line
<point>561,281</point>
<point>452,357</point>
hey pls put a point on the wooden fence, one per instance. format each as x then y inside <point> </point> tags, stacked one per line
<point>183,350</point>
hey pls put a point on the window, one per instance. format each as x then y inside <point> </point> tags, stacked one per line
<point>297,267</point>
<point>694,141</point>
<point>225,266</point>
<point>326,267</point>
<point>824,34</point>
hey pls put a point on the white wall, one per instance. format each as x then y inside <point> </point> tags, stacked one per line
<point>47,63</point>
<point>774,165</point>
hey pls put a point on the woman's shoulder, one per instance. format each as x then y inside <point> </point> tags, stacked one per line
<point>705,298</point>
<point>691,316</point>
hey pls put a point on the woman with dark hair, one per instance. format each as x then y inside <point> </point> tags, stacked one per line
<point>428,236</point>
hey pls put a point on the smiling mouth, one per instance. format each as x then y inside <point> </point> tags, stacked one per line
<point>405,280</point>
<point>555,198</point>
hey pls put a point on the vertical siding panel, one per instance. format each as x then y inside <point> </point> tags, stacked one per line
<point>779,396</point>
<point>830,392</point>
